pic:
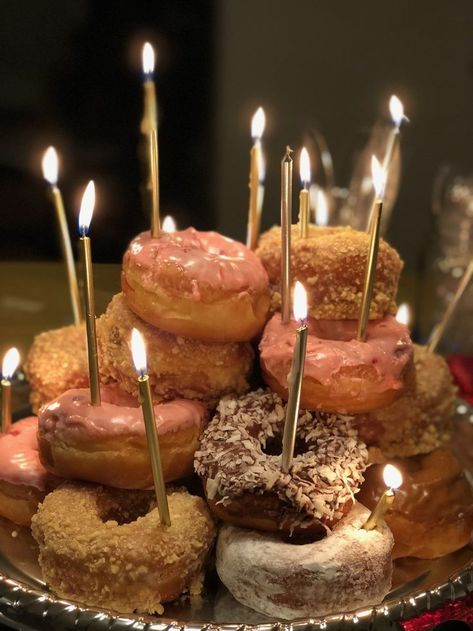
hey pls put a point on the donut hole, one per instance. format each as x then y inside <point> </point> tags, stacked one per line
<point>273,446</point>
<point>124,508</point>
<point>304,538</point>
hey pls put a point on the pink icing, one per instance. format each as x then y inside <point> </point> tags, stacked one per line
<point>72,418</point>
<point>332,345</point>
<point>208,258</point>
<point>19,458</point>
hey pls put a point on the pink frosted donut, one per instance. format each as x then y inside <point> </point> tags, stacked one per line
<point>107,443</point>
<point>24,481</point>
<point>196,284</point>
<point>341,374</point>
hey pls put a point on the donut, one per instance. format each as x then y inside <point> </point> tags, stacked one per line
<point>341,374</point>
<point>239,463</point>
<point>432,514</point>
<point>196,284</point>
<point>330,263</point>
<point>106,547</point>
<point>420,420</point>
<point>350,568</point>
<point>107,443</point>
<point>57,361</point>
<point>24,482</point>
<point>177,367</point>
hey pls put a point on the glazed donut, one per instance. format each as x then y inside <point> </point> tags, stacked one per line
<point>239,462</point>
<point>107,443</point>
<point>177,367</point>
<point>432,514</point>
<point>197,284</point>
<point>57,361</point>
<point>330,264</point>
<point>420,420</point>
<point>23,480</point>
<point>341,374</point>
<point>106,548</point>
<point>350,568</point>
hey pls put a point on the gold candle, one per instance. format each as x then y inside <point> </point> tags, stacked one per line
<point>304,167</point>
<point>9,365</point>
<point>139,359</point>
<point>286,225</point>
<point>256,179</point>
<point>393,480</point>
<point>379,178</point>
<point>85,217</point>
<point>50,174</point>
<point>149,127</point>
<point>439,330</point>
<point>294,378</point>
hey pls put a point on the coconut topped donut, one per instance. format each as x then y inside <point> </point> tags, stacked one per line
<point>239,461</point>
<point>330,263</point>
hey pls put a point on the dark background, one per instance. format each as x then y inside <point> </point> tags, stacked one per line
<point>71,76</point>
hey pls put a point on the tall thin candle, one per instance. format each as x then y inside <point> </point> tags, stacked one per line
<point>256,178</point>
<point>149,127</point>
<point>393,480</point>
<point>9,365</point>
<point>304,194</point>
<point>286,226</point>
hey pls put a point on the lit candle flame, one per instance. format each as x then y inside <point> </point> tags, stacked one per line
<point>378,175</point>
<point>258,123</point>
<point>169,225</point>
<point>138,352</point>
<point>10,363</point>
<point>403,314</point>
<point>300,302</point>
<point>304,166</point>
<point>396,109</point>
<point>50,165</point>
<point>392,477</point>
<point>87,208</point>
<point>148,59</point>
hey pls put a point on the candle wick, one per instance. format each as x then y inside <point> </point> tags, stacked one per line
<point>287,157</point>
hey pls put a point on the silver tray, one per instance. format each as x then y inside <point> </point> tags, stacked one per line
<point>418,586</point>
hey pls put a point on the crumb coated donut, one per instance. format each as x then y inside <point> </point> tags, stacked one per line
<point>239,462</point>
<point>107,443</point>
<point>197,284</point>
<point>341,374</point>
<point>330,264</point>
<point>432,513</point>
<point>178,367</point>
<point>57,361</point>
<point>420,420</point>
<point>23,480</point>
<point>106,548</point>
<point>350,568</point>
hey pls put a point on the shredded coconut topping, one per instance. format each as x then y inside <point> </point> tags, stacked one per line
<point>327,469</point>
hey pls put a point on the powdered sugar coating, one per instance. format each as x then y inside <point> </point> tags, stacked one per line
<point>232,462</point>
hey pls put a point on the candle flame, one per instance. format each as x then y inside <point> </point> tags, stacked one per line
<point>300,302</point>
<point>403,314</point>
<point>392,476</point>
<point>87,208</point>
<point>258,123</point>
<point>396,109</point>
<point>378,175</point>
<point>304,166</point>
<point>148,59</point>
<point>10,363</point>
<point>50,165</point>
<point>169,225</point>
<point>138,351</point>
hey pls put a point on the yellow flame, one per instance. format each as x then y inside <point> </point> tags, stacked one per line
<point>148,58</point>
<point>169,225</point>
<point>396,109</point>
<point>378,175</point>
<point>87,207</point>
<point>300,302</point>
<point>138,351</point>
<point>258,123</point>
<point>392,476</point>
<point>10,363</point>
<point>403,314</point>
<point>304,166</point>
<point>50,165</point>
